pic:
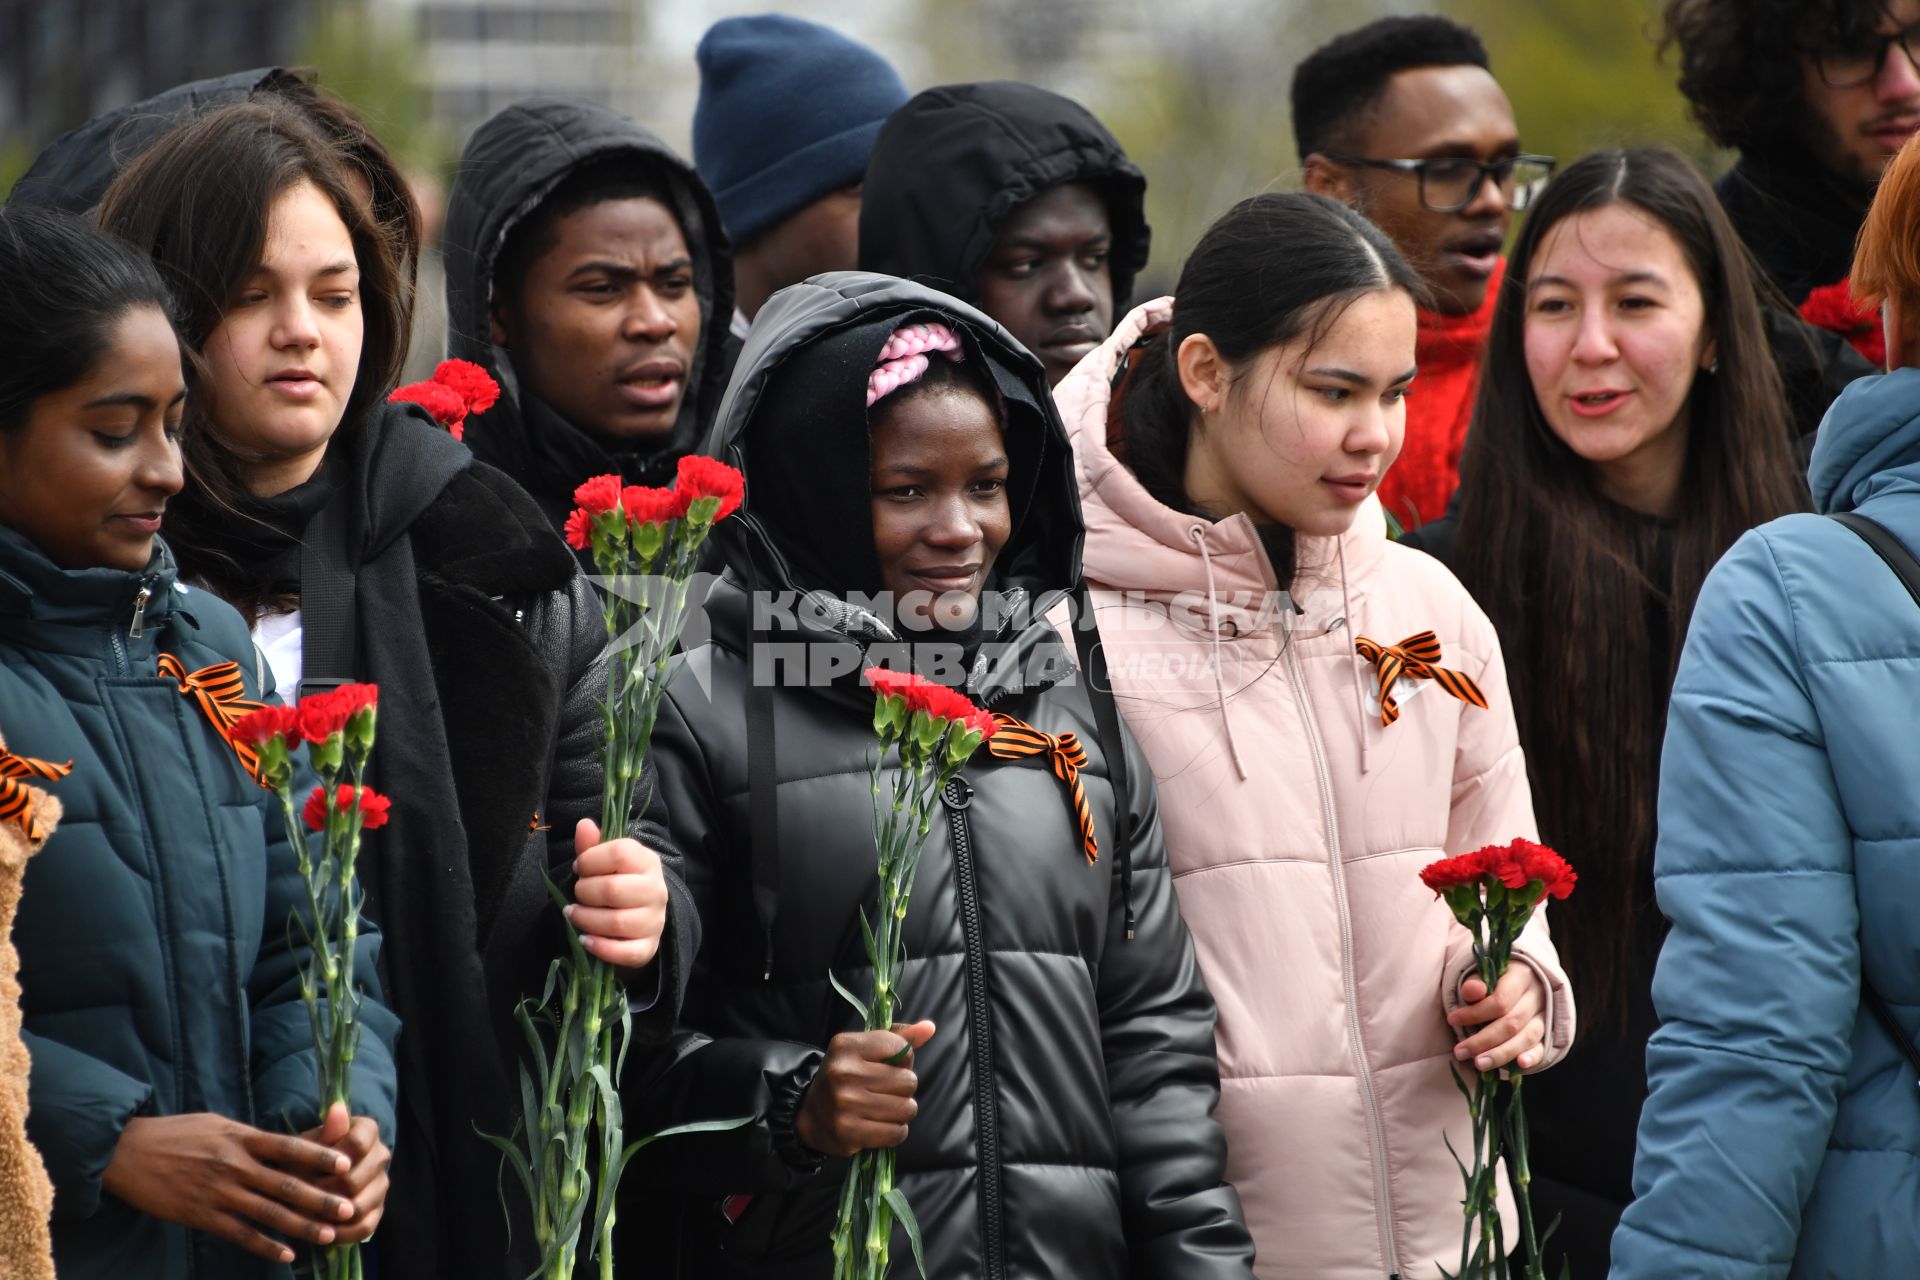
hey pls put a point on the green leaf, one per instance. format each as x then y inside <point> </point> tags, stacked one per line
<point>860,1006</point>
<point>897,1201</point>
<point>512,1159</point>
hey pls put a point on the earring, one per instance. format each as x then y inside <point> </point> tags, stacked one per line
<point>1713,365</point>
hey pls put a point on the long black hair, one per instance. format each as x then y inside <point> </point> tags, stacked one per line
<point>63,288</point>
<point>1274,268</point>
<point>1571,580</point>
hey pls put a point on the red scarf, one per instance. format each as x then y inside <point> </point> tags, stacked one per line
<point>1439,407</point>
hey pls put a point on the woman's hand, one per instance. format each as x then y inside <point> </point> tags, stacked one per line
<point>620,898</point>
<point>229,1179</point>
<point>1510,1024</point>
<point>862,1099</point>
<point>364,1183</point>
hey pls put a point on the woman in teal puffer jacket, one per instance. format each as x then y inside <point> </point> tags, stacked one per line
<point>1781,1137</point>
<point>172,1093</point>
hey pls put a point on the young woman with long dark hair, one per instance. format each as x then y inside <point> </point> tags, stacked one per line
<point>1630,427</point>
<point>1242,576</point>
<point>172,1089</point>
<point>359,539</point>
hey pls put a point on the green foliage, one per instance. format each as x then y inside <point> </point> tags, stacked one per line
<point>371,62</point>
<point>1586,76</point>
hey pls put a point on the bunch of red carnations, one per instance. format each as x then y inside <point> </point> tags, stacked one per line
<point>645,543</point>
<point>935,732</point>
<point>337,729</point>
<point>1492,892</point>
<point>457,390</point>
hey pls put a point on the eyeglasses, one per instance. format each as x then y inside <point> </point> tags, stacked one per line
<point>1851,68</point>
<point>1449,184</point>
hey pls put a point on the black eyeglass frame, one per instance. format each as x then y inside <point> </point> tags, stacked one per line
<point>1906,38</point>
<point>1501,171</point>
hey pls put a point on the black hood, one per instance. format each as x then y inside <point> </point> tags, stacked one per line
<point>951,164</point>
<point>77,167</point>
<point>510,165</point>
<point>823,504</point>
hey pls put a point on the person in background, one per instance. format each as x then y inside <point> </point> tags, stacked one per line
<point>1238,578</point>
<point>786,118</point>
<point>172,1090</point>
<point>1015,200</point>
<point>1815,98</point>
<point>1052,1086</point>
<point>1780,1134</point>
<point>1403,120</point>
<point>1630,428</point>
<point>587,272</point>
<point>361,541</point>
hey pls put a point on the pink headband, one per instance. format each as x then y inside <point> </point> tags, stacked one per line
<point>904,358</point>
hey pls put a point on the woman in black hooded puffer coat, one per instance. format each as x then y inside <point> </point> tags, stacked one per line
<point>1061,1109</point>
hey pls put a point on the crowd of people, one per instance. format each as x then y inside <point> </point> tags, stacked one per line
<point>1181,1006</point>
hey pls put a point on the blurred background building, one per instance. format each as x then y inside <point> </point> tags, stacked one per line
<point>1195,89</point>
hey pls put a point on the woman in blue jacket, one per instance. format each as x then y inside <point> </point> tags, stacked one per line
<point>1781,1136</point>
<point>172,1092</point>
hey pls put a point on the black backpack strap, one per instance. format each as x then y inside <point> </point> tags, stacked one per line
<point>1888,546</point>
<point>327,613</point>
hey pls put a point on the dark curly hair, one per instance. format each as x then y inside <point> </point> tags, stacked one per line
<point>1740,60</point>
<point>1343,78</point>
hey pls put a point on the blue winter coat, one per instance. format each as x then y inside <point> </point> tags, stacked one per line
<point>1782,1133</point>
<point>153,928</point>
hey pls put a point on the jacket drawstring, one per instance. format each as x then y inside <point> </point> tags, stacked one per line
<point>1199,536</point>
<point>1353,668</point>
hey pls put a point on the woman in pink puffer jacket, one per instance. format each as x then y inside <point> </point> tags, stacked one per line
<point>1228,442</point>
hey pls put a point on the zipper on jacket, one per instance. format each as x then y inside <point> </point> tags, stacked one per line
<point>139,627</point>
<point>1376,1127</point>
<point>958,795</point>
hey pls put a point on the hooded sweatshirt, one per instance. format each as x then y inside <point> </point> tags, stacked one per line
<point>1064,1103</point>
<point>75,169</point>
<point>950,165</point>
<point>1297,824</point>
<point>510,165</point>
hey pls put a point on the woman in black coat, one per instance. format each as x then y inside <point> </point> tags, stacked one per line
<point>362,542</point>
<point>1053,1112</point>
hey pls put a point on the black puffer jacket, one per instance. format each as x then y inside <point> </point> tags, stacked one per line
<point>950,165</point>
<point>1065,1102</point>
<point>510,165</point>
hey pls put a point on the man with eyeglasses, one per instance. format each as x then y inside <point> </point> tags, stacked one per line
<point>1403,120</point>
<point>1816,97</point>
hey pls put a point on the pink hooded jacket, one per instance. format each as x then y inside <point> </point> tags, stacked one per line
<point>1297,826</point>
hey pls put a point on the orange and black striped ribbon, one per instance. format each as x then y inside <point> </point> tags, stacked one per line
<point>1417,658</point>
<point>220,691</point>
<point>1016,739</point>
<point>17,799</point>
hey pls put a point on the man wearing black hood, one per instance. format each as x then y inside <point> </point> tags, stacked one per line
<point>1015,200</point>
<point>586,270</point>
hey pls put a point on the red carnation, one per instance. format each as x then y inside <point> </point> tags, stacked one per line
<point>646,505</point>
<point>373,806</point>
<point>474,385</point>
<point>887,684</point>
<point>1834,307</point>
<point>443,402</point>
<point>267,723</point>
<point>1548,867</point>
<point>598,495</point>
<point>982,723</point>
<point>702,477</point>
<point>355,697</point>
<point>579,530</point>
<point>322,716</point>
<point>1452,873</point>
